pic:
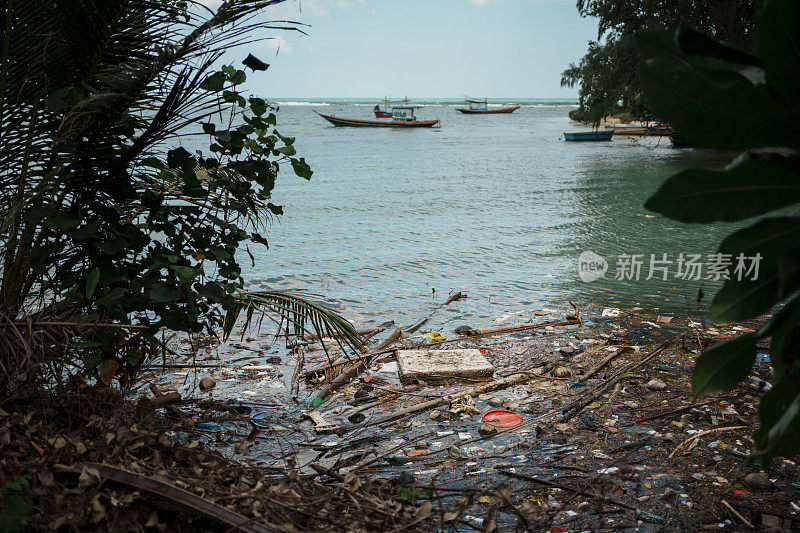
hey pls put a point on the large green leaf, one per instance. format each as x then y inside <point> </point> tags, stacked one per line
<point>750,186</point>
<point>724,365</point>
<point>774,240</point>
<point>779,48</point>
<point>719,109</point>
<point>779,412</point>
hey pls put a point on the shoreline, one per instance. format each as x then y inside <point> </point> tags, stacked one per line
<point>616,428</point>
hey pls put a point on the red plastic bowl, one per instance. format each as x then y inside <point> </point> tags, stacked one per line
<point>502,418</point>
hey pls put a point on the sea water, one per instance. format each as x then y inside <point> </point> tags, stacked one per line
<point>497,206</point>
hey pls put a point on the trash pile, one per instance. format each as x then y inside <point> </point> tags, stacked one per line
<point>569,420</point>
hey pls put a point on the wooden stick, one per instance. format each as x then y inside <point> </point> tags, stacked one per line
<point>736,513</point>
<point>510,328</point>
<point>505,382</point>
<point>565,488</point>
<point>578,313</point>
<point>577,406</point>
<point>453,298</point>
<point>685,444</point>
<point>182,497</point>
<point>607,359</point>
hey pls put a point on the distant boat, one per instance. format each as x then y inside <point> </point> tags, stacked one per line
<point>386,112</point>
<point>402,117</point>
<point>481,107</point>
<point>640,131</point>
<point>589,135</point>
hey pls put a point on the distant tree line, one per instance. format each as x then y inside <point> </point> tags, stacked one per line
<point>608,75</point>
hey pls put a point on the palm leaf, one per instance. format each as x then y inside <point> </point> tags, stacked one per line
<point>305,314</point>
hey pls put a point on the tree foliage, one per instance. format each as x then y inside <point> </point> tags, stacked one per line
<point>106,218</point>
<point>608,74</point>
<point>722,97</point>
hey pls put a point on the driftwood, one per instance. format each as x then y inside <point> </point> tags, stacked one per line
<point>685,445</point>
<point>577,313</point>
<point>419,324</point>
<point>510,328</point>
<point>737,514</point>
<point>186,499</point>
<point>356,366</point>
<point>607,359</point>
<point>565,488</point>
<point>474,391</point>
<point>577,405</point>
<point>320,424</point>
<point>163,400</point>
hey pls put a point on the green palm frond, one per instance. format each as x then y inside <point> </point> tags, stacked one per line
<point>303,313</point>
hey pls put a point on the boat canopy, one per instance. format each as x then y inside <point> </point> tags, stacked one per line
<point>403,113</point>
<point>477,104</point>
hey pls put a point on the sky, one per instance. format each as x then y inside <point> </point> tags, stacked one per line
<point>421,49</point>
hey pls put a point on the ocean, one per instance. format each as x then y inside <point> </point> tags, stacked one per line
<point>497,206</point>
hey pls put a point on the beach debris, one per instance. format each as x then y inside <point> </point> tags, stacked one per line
<point>611,312</point>
<point>355,368</point>
<point>656,385</point>
<point>562,372</point>
<point>434,336</point>
<point>464,405</point>
<point>320,425</point>
<point>433,365</point>
<point>757,384</point>
<point>511,328</point>
<point>486,430</point>
<point>207,383</point>
<point>440,415</point>
<point>757,481</point>
<point>502,418</point>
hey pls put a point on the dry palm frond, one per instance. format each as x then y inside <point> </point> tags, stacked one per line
<point>304,313</point>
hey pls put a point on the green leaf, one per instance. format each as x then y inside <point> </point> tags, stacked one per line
<point>214,82</point>
<point>258,106</point>
<point>209,128</point>
<point>775,240</point>
<point>740,300</point>
<point>153,162</point>
<point>276,209</point>
<point>162,294</point>
<point>779,411</point>
<point>286,150</point>
<point>62,222</point>
<point>719,109</point>
<point>254,63</point>
<point>779,48</point>
<point>114,294</point>
<point>724,365</point>
<point>238,77</point>
<point>750,186</point>
<point>91,282</point>
<point>301,168</point>
<point>694,42</point>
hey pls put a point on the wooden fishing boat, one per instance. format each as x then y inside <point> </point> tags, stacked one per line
<point>481,107</point>
<point>386,112</point>
<point>402,117</point>
<point>589,135</point>
<point>641,131</point>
